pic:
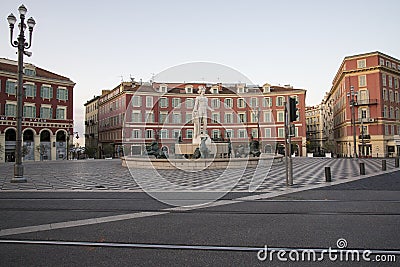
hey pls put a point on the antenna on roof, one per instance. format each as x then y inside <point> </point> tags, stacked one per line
<point>132,78</point>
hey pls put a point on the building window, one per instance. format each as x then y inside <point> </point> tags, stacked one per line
<point>267,132</point>
<point>136,101</point>
<point>177,133</point>
<point>281,132</point>
<point>136,116</point>
<point>11,110</point>
<point>176,102</point>
<point>384,94</point>
<point>267,116</point>
<point>386,129</point>
<point>362,81</point>
<point>163,102</point>
<point>163,117</point>
<point>149,116</point>
<point>149,101</point>
<point>280,101</point>
<point>216,134</point>
<point>29,72</point>
<point>391,97</point>
<point>189,90</point>
<point>189,134</point>
<point>46,113</point>
<point>242,117</point>
<point>242,133</point>
<point>149,134</point>
<point>176,117</point>
<point>396,97</point>
<point>385,112</point>
<point>241,103</point>
<point>281,116</point>
<point>188,117</point>
<point>214,90</point>
<point>136,134</point>
<point>215,103</point>
<point>390,79</point>
<point>189,103</point>
<point>46,92</point>
<point>267,102</point>
<point>391,113</point>
<point>254,132</point>
<point>383,79</point>
<point>381,62</point>
<point>253,102</point>
<point>163,89</point>
<point>396,83</point>
<point>30,90</point>
<point>11,88</point>
<point>29,111</point>
<point>362,63</point>
<point>215,118</point>
<point>228,102</point>
<point>60,113</point>
<point>228,118</point>
<point>164,133</point>
<point>254,116</point>
<point>229,133</point>
<point>362,113</point>
<point>62,94</point>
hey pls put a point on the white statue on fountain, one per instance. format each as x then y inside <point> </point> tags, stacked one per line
<point>199,116</point>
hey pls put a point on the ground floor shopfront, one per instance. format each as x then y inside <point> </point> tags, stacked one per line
<point>45,144</point>
<point>369,146</point>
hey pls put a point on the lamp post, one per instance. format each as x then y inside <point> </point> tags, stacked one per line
<point>352,96</point>
<point>21,45</point>
<point>258,123</point>
<point>68,148</point>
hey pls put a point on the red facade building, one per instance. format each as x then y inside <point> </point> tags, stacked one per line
<point>374,78</point>
<point>47,122</point>
<point>136,114</point>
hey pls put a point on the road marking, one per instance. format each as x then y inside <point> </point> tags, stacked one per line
<point>60,225</point>
<point>186,247</point>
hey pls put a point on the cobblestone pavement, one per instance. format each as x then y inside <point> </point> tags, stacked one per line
<point>100,175</point>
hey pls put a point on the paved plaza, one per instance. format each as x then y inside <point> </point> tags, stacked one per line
<point>109,175</point>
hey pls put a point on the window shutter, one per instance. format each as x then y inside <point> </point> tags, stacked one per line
<point>58,93</point>
<point>51,92</point>
<point>66,94</point>
<point>41,112</point>
<point>41,91</point>
<point>51,113</point>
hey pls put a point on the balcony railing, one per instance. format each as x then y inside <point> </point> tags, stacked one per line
<point>362,102</point>
<point>365,120</point>
<point>365,136</point>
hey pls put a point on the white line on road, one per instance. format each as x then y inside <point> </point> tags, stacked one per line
<point>60,225</point>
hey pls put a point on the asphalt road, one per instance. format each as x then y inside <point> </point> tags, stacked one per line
<point>366,213</point>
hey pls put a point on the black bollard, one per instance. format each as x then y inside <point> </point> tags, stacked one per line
<point>396,162</point>
<point>384,165</point>
<point>362,168</point>
<point>328,177</point>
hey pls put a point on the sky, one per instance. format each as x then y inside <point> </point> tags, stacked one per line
<point>99,43</point>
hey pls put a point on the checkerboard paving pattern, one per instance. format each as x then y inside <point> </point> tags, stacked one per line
<point>103,175</point>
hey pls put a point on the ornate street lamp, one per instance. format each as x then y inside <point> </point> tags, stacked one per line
<point>352,98</point>
<point>21,45</point>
